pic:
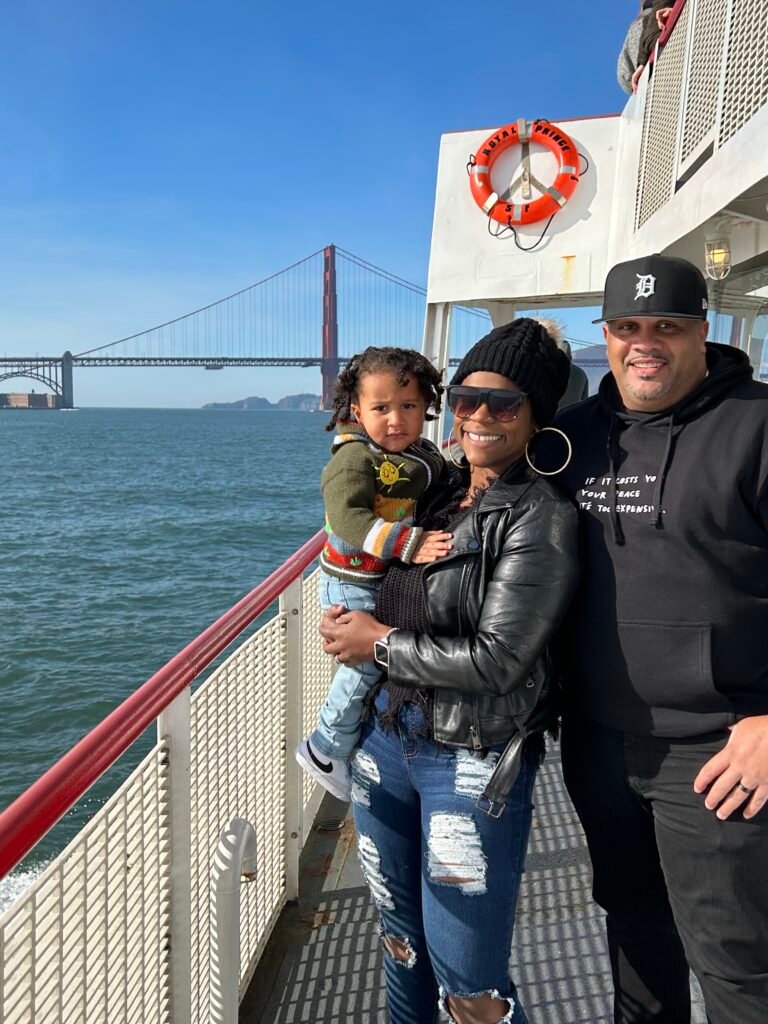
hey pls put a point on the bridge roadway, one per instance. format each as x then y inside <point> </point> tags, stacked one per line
<point>56,372</point>
<point>323,963</point>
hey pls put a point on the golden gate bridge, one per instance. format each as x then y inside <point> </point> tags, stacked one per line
<point>317,312</point>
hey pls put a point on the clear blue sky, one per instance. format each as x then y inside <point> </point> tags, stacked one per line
<point>156,156</point>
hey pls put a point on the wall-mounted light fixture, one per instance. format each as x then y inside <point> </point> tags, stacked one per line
<point>717,258</point>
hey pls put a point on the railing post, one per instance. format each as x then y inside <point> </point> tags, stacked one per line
<point>723,75</point>
<point>292,610</point>
<point>174,728</point>
<point>436,347</point>
<point>235,856</point>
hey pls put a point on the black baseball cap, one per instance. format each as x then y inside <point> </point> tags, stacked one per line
<point>655,286</point>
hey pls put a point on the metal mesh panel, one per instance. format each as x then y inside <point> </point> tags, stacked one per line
<point>89,941</point>
<point>318,669</point>
<point>659,148</point>
<point>238,770</point>
<point>711,17</point>
<point>746,71</point>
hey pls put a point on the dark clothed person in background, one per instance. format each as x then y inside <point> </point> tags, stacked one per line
<point>579,385</point>
<point>653,26</point>
<point>665,729</point>
<point>443,778</point>
<point>578,382</point>
<point>628,55</point>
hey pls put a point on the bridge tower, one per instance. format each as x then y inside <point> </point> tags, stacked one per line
<point>67,389</point>
<point>329,367</point>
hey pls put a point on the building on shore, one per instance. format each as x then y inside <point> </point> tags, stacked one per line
<point>29,400</point>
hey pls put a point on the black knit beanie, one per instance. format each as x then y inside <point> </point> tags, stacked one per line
<point>523,352</point>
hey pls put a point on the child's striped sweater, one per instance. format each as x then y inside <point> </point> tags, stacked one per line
<point>369,497</point>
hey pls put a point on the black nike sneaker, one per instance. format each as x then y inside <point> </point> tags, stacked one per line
<point>331,773</point>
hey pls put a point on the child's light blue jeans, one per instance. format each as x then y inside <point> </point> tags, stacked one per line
<point>338,730</point>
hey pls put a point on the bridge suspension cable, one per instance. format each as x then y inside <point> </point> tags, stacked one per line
<point>225,323</point>
<point>376,307</point>
<point>278,320</point>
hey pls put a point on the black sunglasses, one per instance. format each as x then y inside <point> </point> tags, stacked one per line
<point>503,405</point>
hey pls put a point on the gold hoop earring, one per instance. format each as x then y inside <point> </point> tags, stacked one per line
<point>550,472</point>
<point>451,445</point>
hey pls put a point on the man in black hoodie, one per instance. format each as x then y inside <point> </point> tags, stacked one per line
<point>665,652</point>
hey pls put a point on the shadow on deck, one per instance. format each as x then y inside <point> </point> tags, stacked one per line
<point>323,963</point>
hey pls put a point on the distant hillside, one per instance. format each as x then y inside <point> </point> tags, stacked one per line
<point>305,403</point>
<point>302,403</point>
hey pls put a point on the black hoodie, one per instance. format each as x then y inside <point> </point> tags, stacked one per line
<point>668,632</point>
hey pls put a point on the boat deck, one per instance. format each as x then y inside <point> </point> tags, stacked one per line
<point>324,962</point>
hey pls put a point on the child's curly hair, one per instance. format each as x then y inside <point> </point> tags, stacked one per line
<point>402,363</point>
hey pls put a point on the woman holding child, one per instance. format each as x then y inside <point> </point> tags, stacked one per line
<point>444,774</point>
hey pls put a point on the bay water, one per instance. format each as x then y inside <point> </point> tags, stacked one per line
<point>125,532</point>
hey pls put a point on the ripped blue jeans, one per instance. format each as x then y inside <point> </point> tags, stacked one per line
<point>444,876</point>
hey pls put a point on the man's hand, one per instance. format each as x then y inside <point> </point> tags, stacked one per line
<point>635,81</point>
<point>432,545</point>
<point>738,775</point>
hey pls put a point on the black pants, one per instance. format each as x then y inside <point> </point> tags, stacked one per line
<point>679,886</point>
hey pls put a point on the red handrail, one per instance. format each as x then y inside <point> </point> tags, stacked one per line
<point>677,10</point>
<point>36,811</point>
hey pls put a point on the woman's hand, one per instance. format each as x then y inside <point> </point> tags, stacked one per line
<point>350,636</point>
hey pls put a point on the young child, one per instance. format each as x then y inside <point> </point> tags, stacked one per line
<point>379,467</point>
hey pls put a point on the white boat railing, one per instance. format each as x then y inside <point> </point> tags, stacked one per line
<point>708,81</point>
<point>118,927</point>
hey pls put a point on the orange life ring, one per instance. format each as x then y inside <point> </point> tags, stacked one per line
<point>555,197</point>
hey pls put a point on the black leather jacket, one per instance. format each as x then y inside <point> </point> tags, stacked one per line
<point>493,605</point>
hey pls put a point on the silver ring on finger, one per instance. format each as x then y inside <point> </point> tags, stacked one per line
<point>744,789</point>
